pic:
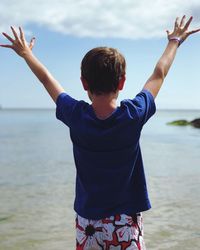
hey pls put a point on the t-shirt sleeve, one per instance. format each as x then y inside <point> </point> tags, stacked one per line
<point>65,106</point>
<point>145,105</point>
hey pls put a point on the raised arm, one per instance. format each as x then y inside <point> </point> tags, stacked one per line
<point>175,38</point>
<point>23,49</point>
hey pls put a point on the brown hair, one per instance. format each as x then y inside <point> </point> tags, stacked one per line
<point>102,68</point>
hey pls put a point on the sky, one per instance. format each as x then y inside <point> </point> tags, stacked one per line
<point>65,30</point>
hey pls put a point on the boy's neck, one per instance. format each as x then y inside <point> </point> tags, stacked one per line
<point>104,105</point>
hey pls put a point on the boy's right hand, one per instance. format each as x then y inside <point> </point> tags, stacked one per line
<point>19,44</point>
<point>163,65</point>
<point>181,29</point>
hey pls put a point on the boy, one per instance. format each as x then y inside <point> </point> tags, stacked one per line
<point>111,189</point>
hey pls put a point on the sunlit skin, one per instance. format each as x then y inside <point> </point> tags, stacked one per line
<point>103,105</point>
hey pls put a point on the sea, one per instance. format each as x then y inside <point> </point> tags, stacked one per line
<point>37,181</point>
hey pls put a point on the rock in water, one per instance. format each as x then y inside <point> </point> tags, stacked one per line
<point>195,123</point>
<point>179,123</point>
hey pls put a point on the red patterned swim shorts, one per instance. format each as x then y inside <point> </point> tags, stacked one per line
<point>119,232</point>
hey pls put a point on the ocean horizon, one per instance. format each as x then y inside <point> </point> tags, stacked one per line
<point>49,108</point>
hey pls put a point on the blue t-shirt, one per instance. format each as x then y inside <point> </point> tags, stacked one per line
<point>110,175</point>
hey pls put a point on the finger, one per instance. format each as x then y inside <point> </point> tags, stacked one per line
<point>8,37</point>
<point>193,31</point>
<point>22,34</point>
<point>32,42</point>
<point>14,33</point>
<point>182,21</point>
<point>176,23</point>
<point>188,23</point>
<point>168,33</point>
<point>6,46</point>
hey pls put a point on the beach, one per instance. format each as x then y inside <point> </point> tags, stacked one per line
<point>37,181</point>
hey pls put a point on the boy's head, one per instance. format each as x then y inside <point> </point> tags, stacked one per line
<point>103,70</point>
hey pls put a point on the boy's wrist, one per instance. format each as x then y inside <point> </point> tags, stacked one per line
<point>174,43</point>
<point>26,54</point>
<point>176,39</point>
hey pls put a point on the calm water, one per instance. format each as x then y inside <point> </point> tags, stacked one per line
<point>37,182</point>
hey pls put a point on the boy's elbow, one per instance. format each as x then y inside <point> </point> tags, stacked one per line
<point>44,79</point>
<point>159,72</point>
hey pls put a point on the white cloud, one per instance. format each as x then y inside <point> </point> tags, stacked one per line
<point>99,18</point>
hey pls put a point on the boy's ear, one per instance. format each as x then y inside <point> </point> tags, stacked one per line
<point>121,82</point>
<point>84,83</point>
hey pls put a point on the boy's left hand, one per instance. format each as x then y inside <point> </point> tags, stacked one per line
<point>23,49</point>
<point>19,44</point>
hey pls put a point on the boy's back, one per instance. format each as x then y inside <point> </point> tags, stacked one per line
<point>110,175</point>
